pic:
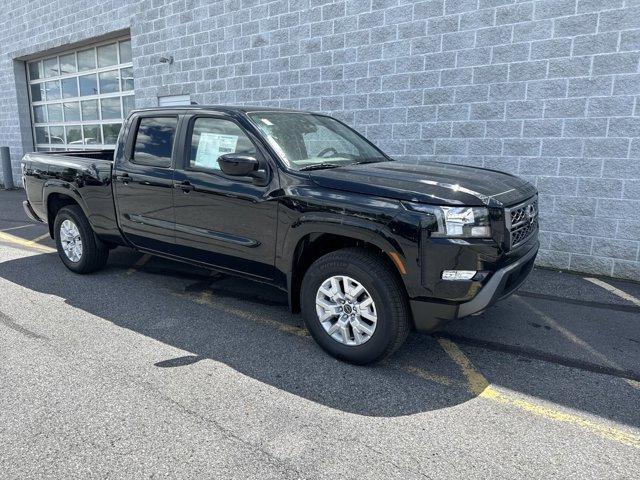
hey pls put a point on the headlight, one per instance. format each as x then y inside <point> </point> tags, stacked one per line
<point>460,222</point>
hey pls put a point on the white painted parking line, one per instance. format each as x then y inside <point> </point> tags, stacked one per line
<point>575,339</point>
<point>16,228</point>
<point>616,291</point>
<point>41,237</point>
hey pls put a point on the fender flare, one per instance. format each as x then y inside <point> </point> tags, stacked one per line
<point>54,186</point>
<point>336,224</point>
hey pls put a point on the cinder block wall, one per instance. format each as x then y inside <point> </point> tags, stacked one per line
<point>545,89</point>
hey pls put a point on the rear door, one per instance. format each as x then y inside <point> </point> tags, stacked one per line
<point>143,181</point>
<point>222,220</point>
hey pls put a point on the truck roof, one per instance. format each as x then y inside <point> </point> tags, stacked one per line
<point>228,109</point>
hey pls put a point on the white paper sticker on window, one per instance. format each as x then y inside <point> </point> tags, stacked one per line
<point>211,146</point>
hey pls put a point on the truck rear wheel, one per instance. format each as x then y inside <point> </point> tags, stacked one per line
<point>355,306</point>
<point>79,248</point>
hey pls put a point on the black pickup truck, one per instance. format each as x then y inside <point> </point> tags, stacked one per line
<point>366,247</point>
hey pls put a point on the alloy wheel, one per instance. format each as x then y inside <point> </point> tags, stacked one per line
<point>70,240</point>
<point>346,310</point>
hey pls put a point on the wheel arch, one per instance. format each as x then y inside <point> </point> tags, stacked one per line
<point>311,241</point>
<point>58,196</point>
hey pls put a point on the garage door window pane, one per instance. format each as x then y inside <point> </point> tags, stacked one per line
<point>56,134</point>
<point>92,134</point>
<point>53,90</point>
<point>68,64</point>
<point>125,51</point>
<point>90,110</point>
<point>35,70</point>
<point>107,55</point>
<point>86,60</point>
<point>39,114</point>
<point>111,131</point>
<point>42,136</point>
<point>37,92</point>
<point>71,111</point>
<point>55,112</point>
<point>74,134</point>
<point>69,87</point>
<point>88,85</point>
<point>110,108</point>
<point>51,67</point>
<point>109,81</point>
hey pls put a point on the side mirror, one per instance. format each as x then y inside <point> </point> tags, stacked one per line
<point>238,165</point>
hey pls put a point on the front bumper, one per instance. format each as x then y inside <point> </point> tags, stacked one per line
<point>429,315</point>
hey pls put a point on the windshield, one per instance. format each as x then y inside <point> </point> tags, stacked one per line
<point>306,141</point>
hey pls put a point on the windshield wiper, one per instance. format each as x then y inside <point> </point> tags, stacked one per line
<point>371,160</point>
<point>319,166</point>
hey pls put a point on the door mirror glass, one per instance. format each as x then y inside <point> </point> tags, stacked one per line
<point>238,165</point>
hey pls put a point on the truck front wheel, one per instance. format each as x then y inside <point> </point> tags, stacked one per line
<point>80,250</point>
<point>355,306</point>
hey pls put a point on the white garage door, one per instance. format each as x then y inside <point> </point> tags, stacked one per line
<point>78,98</point>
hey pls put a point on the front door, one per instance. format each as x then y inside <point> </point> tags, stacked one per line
<point>144,184</point>
<point>222,220</point>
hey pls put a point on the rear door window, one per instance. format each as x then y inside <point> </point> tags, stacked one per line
<point>154,141</point>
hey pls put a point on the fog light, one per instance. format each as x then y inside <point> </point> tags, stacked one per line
<point>458,274</point>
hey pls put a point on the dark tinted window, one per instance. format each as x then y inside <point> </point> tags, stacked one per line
<point>213,137</point>
<point>154,141</point>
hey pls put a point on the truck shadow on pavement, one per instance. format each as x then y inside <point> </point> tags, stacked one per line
<point>248,327</point>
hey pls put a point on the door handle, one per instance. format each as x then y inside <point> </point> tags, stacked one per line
<point>124,178</point>
<point>185,186</point>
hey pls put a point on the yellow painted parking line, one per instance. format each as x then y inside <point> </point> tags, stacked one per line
<point>18,227</point>
<point>481,387</point>
<point>616,291</point>
<point>205,298</point>
<point>140,263</point>
<point>476,383</point>
<point>575,339</point>
<point>431,377</point>
<point>7,237</point>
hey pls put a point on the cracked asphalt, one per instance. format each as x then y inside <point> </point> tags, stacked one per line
<point>151,368</point>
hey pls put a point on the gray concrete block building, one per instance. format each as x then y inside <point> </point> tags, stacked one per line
<point>546,89</point>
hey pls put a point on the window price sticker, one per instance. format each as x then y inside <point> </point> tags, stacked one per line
<point>211,146</point>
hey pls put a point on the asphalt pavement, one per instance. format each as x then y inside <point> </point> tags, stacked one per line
<point>151,368</point>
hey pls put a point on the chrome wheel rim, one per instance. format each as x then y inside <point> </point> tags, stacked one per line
<point>71,241</point>
<point>346,310</point>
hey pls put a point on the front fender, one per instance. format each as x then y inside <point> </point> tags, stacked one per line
<point>337,224</point>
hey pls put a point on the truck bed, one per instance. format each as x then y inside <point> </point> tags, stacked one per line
<point>85,176</point>
<point>103,154</point>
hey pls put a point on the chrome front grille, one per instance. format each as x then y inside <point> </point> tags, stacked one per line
<point>522,221</point>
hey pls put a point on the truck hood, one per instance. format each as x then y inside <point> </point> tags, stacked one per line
<point>434,183</point>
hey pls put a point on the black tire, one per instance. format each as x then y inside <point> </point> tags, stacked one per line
<point>376,275</point>
<point>94,252</point>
